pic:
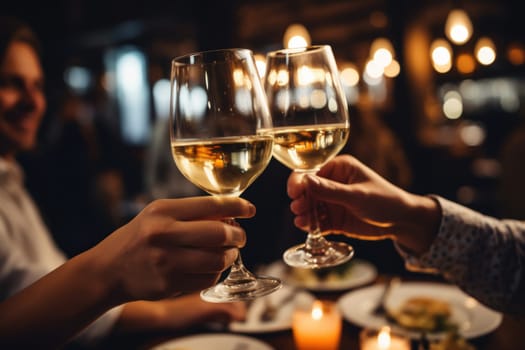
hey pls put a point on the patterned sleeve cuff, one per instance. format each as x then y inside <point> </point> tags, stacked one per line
<point>484,256</point>
<point>446,250</point>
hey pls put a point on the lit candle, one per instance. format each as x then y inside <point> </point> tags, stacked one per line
<point>382,340</point>
<point>318,328</point>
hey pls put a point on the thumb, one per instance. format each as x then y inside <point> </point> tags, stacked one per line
<point>327,190</point>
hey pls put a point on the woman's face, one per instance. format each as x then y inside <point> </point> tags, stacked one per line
<point>22,99</point>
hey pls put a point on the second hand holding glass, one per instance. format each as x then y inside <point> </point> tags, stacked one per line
<point>217,110</point>
<point>310,126</point>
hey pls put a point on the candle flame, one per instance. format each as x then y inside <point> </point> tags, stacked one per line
<point>383,339</point>
<point>317,310</point>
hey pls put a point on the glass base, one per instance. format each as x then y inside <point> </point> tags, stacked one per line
<point>337,254</point>
<point>222,293</point>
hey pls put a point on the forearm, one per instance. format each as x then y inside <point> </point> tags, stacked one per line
<point>167,314</point>
<point>55,308</point>
<point>174,314</point>
<point>141,316</point>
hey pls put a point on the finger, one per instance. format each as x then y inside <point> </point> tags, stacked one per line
<point>328,190</point>
<point>300,206</point>
<point>295,185</point>
<point>205,207</point>
<point>200,261</point>
<point>199,234</point>
<point>300,209</point>
<point>301,222</point>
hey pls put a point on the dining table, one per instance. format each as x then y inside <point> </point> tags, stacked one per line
<point>509,334</point>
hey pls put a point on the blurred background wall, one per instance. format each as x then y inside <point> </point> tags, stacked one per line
<point>439,116</point>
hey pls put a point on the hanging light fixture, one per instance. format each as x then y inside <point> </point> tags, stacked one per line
<point>485,51</point>
<point>441,55</point>
<point>295,36</point>
<point>458,27</point>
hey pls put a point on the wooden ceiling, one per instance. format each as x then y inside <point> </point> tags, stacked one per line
<point>351,26</point>
<point>348,26</point>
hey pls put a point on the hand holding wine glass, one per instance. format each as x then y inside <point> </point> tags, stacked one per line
<point>218,108</point>
<point>310,126</point>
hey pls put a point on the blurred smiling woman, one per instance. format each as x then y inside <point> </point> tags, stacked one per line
<point>126,282</point>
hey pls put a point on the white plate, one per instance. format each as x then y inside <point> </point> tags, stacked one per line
<point>473,319</point>
<point>287,298</point>
<point>359,273</point>
<point>214,341</point>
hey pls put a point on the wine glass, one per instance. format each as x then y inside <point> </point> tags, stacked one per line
<point>217,108</point>
<point>310,126</point>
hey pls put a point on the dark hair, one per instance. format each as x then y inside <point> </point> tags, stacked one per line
<point>13,29</point>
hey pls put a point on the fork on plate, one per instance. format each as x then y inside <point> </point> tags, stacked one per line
<point>380,309</point>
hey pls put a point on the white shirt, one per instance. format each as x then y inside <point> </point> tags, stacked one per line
<point>27,250</point>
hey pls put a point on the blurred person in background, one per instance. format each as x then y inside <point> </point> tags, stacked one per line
<point>77,175</point>
<point>127,282</point>
<point>483,255</point>
<point>374,144</point>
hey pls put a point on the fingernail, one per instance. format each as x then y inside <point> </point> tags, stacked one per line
<point>238,237</point>
<point>252,209</point>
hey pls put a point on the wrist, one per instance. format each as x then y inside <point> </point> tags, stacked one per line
<point>420,224</point>
<point>101,283</point>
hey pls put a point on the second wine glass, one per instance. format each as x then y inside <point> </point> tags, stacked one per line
<point>310,126</point>
<point>217,110</point>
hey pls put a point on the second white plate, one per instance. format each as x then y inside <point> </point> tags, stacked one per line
<point>286,299</point>
<point>473,319</point>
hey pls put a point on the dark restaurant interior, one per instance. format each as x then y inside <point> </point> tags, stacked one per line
<point>454,128</point>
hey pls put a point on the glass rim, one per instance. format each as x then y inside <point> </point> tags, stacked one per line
<point>191,58</point>
<point>298,50</point>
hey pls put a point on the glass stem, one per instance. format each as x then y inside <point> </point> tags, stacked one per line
<point>238,274</point>
<point>315,243</point>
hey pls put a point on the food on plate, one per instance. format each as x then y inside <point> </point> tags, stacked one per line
<point>453,341</point>
<point>423,314</point>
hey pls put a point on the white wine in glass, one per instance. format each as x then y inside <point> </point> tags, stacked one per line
<point>310,126</point>
<point>217,110</point>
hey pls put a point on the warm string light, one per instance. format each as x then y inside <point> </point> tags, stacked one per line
<point>458,27</point>
<point>382,63</point>
<point>465,63</point>
<point>516,53</point>
<point>485,51</point>
<point>459,30</point>
<point>349,75</point>
<point>296,36</point>
<point>441,55</point>
<point>382,60</point>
